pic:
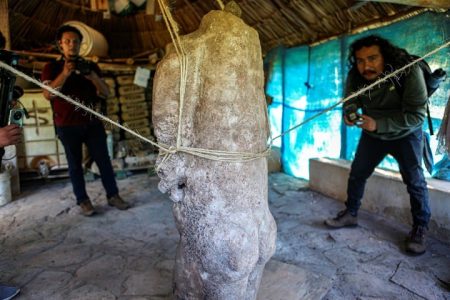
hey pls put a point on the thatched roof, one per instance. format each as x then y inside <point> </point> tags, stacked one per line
<point>33,23</point>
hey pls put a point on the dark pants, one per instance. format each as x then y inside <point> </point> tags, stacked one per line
<point>94,136</point>
<point>408,153</point>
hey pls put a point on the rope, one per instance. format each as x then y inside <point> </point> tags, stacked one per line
<point>363,90</point>
<point>222,7</point>
<point>72,101</point>
<point>173,29</point>
<point>183,61</point>
<point>217,155</point>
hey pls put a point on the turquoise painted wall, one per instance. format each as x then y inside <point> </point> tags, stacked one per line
<point>304,81</point>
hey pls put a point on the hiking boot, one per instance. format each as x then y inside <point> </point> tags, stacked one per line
<point>8,292</point>
<point>415,242</point>
<point>343,219</point>
<point>118,202</point>
<point>86,208</point>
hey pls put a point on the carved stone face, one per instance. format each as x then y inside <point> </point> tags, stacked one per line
<point>226,230</point>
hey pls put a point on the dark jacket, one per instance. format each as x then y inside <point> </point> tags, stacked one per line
<point>396,115</point>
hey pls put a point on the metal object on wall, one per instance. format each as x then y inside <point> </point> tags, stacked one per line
<point>41,151</point>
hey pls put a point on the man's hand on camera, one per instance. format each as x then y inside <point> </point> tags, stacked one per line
<point>363,121</point>
<point>69,67</point>
<point>367,123</point>
<point>10,135</point>
<point>348,122</point>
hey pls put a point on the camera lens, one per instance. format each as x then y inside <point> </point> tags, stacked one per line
<point>17,115</point>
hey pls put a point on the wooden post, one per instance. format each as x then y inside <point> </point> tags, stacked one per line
<point>4,22</point>
<point>445,4</point>
<point>150,8</point>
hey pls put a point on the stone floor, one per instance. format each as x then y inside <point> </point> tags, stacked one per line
<point>52,252</point>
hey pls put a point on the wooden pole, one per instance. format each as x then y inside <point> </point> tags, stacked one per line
<point>445,4</point>
<point>4,22</point>
<point>199,18</point>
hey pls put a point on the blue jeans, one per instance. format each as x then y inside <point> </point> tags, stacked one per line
<point>407,151</point>
<point>94,136</point>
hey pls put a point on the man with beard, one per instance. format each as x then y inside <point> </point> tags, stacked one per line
<point>392,124</point>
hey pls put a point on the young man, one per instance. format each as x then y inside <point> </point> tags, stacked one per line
<point>392,124</point>
<point>74,126</point>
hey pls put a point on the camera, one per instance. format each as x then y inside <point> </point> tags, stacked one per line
<point>351,112</point>
<point>8,91</point>
<point>16,116</point>
<point>82,66</point>
<point>9,57</point>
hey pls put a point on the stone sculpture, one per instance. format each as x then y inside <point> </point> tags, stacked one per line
<point>227,233</point>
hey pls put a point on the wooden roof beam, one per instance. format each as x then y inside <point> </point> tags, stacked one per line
<point>445,4</point>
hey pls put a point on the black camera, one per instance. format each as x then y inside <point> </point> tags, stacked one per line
<point>8,91</point>
<point>9,57</point>
<point>82,66</point>
<point>351,112</point>
<point>16,116</point>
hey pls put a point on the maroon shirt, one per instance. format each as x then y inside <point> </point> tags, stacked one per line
<point>76,87</point>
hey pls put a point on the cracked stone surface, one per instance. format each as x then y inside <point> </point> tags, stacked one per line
<point>52,252</point>
<point>227,233</point>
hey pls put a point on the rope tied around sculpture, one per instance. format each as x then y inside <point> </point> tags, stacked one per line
<point>216,155</point>
<point>222,7</point>
<point>173,29</point>
<point>205,153</point>
<point>166,151</point>
<point>183,62</point>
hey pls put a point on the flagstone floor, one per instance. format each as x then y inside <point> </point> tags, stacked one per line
<point>52,252</point>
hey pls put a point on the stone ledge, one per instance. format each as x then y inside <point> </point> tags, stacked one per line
<point>385,193</point>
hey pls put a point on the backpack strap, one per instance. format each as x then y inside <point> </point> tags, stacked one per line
<point>430,122</point>
<point>400,83</point>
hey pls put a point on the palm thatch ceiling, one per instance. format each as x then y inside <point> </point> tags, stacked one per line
<point>33,23</point>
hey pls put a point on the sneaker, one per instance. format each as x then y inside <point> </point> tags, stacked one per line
<point>86,208</point>
<point>343,219</point>
<point>415,242</point>
<point>8,292</point>
<point>118,202</point>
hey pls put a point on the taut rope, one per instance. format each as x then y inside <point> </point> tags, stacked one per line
<point>205,153</point>
<point>217,155</point>
<point>363,90</point>
<point>221,4</point>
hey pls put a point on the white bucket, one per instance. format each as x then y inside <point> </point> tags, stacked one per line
<point>94,43</point>
<point>5,188</point>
